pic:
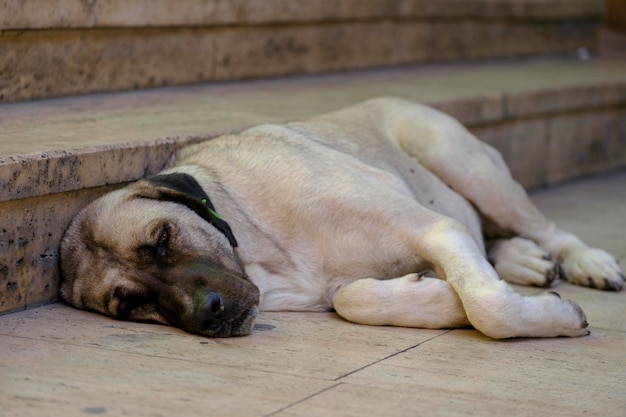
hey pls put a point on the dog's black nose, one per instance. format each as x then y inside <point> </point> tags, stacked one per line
<point>210,308</point>
<point>213,303</point>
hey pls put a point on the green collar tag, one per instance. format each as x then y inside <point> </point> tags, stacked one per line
<point>217,216</point>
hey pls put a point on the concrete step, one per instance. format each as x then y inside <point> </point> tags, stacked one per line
<point>72,47</point>
<point>553,120</point>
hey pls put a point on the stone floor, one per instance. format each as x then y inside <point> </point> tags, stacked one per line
<point>57,361</point>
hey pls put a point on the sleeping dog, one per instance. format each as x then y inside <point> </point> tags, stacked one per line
<point>388,212</point>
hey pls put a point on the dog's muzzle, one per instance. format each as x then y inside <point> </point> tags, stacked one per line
<point>213,318</point>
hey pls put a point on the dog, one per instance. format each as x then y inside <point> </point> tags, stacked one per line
<point>388,212</point>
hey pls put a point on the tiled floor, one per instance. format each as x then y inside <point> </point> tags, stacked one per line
<point>57,361</point>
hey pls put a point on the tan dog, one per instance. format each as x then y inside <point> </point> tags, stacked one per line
<point>337,212</point>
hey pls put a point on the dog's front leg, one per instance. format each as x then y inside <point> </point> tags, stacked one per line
<point>408,301</point>
<point>490,304</point>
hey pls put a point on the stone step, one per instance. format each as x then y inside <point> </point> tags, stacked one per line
<point>553,120</point>
<point>72,47</point>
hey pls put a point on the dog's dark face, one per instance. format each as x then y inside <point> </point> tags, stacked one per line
<point>153,252</point>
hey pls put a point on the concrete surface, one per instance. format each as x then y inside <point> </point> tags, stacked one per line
<point>56,145</point>
<point>32,14</point>
<point>58,361</point>
<point>60,48</point>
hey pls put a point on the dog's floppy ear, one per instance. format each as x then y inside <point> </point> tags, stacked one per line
<point>184,189</point>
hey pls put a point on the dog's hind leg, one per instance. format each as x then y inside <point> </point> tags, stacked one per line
<point>409,301</point>
<point>478,172</point>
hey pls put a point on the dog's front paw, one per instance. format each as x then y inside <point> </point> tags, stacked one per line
<point>569,318</point>
<point>506,314</point>
<point>593,268</point>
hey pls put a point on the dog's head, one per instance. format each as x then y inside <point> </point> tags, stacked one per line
<point>157,251</point>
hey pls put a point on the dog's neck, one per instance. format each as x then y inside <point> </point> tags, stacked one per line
<point>184,189</point>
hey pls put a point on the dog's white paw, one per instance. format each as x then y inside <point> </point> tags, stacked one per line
<point>593,268</point>
<point>567,317</point>
<point>506,314</point>
<point>522,261</point>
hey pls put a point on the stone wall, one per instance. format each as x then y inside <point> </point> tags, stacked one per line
<point>70,47</point>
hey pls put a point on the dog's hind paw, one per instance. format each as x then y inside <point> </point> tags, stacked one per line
<point>593,268</point>
<point>522,261</point>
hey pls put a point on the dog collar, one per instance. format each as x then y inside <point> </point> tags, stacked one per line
<point>219,223</point>
<point>213,213</point>
<point>182,188</point>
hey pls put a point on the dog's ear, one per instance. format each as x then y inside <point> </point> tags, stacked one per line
<point>184,189</point>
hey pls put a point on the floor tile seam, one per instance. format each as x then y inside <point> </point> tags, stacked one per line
<point>306,398</point>
<point>339,378</point>
<point>101,348</point>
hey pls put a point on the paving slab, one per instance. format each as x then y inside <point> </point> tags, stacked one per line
<point>464,373</point>
<point>59,379</point>
<point>320,345</point>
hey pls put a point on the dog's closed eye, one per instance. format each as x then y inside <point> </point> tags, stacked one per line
<point>163,242</point>
<point>157,248</point>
